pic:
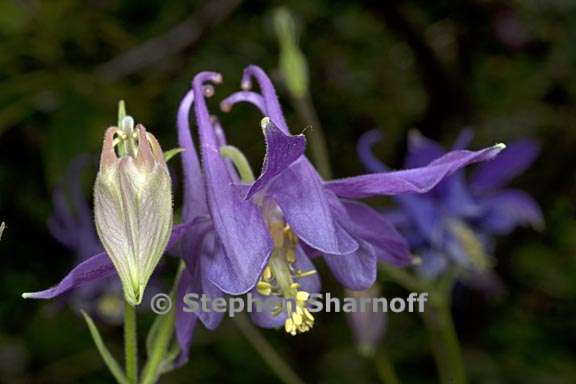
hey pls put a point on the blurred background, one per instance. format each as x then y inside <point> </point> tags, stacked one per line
<point>504,68</point>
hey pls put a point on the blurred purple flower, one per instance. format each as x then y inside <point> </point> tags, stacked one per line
<point>368,327</point>
<point>455,223</point>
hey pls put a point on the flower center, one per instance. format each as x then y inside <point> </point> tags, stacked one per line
<point>471,244</point>
<point>281,278</point>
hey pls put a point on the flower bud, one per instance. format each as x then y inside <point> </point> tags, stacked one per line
<point>133,206</point>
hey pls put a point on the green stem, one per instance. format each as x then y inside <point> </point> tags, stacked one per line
<point>162,341</point>
<point>404,278</point>
<point>130,343</point>
<point>266,351</point>
<point>444,340</point>
<point>307,114</point>
<point>385,368</point>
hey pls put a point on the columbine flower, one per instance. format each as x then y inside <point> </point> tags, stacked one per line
<point>265,231</point>
<point>454,224</point>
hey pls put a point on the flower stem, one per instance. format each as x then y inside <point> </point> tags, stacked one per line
<point>130,343</point>
<point>266,351</point>
<point>158,350</point>
<point>385,368</point>
<point>444,340</point>
<point>307,114</point>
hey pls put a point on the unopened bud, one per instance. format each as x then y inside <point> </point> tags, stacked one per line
<point>133,206</point>
<point>293,65</point>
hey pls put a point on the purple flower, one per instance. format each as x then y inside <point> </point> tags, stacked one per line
<point>455,222</point>
<point>266,231</point>
<point>260,236</point>
<point>72,223</point>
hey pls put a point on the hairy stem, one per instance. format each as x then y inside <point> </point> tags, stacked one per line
<point>130,343</point>
<point>266,351</point>
<point>444,340</point>
<point>385,368</point>
<point>162,342</point>
<point>307,114</point>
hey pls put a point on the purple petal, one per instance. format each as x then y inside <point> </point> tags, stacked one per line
<point>509,209</point>
<point>300,194</point>
<point>95,268</point>
<point>421,150</point>
<point>514,160</point>
<point>454,191</point>
<point>364,149</point>
<point>199,250</point>
<point>72,223</point>
<point>194,191</point>
<point>281,151</point>
<point>185,322</point>
<point>464,139</point>
<point>371,226</point>
<point>243,97</point>
<point>457,198</point>
<point>271,103</point>
<point>239,223</point>
<point>196,248</point>
<point>419,180</point>
<point>425,214</point>
<point>356,270</point>
<point>433,263</point>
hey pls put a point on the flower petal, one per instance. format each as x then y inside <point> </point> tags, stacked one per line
<point>185,322</point>
<point>364,149</point>
<point>271,103</point>
<point>300,194</point>
<point>371,226</point>
<point>95,268</point>
<point>425,215</point>
<point>194,199</point>
<point>433,264</point>
<point>281,151</point>
<point>457,198</point>
<point>356,270</point>
<point>239,223</point>
<point>509,209</point>
<point>421,150</point>
<point>420,180</point>
<point>514,160</point>
<point>243,97</point>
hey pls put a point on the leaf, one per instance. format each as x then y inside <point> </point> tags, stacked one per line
<point>104,352</point>
<point>172,152</point>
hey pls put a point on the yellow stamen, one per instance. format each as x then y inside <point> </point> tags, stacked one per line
<point>280,278</point>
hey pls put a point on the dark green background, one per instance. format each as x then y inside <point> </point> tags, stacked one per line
<point>505,68</point>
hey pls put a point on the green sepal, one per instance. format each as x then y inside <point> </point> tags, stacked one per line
<point>172,152</point>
